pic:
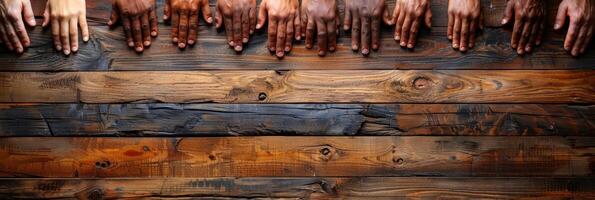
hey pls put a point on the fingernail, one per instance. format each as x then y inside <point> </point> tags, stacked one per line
<point>19,50</point>
<point>245,40</point>
<point>110,22</point>
<point>538,42</point>
<point>298,37</point>
<point>287,49</point>
<point>86,38</point>
<point>365,51</point>
<point>556,26</point>
<point>375,47</point>
<point>403,44</point>
<point>450,37</point>
<point>455,46</point>
<point>354,47</point>
<point>147,43</point>
<point>463,49</point>
<point>520,51</point>
<point>257,26</point>
<point>272,49</point>
<point>175,40</point>
<point>308,46</point>
<point>410,46</point>
<point>32,21</point>
<point>59,48</point>
<point>397,38</point>
<point>164,16</point>
<point>574,52</point>
<point>345,27</point>
<point>331,48</point>
<point>251,32</point>
<point>513,46</point>
<point>321,53</point>
<point>75,49</point>
<point>154,33</point>
<point>280,54</point>
<point>190,42</point>
<point>66,52</point>
<point>139,49</point>
<point>528,49</point>
<point>210,20</point>
<point>238,48</point>
<point>504,21</point>
<point>182,45</point>
<point>231,43</point>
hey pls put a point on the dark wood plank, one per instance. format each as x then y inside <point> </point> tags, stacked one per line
<point>340,86</point>
<point>91,157</point>
<point>292,120</point>
<point>301,188</point>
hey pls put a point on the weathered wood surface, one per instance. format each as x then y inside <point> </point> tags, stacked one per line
<point>292,120</point>
<point>92,157</point>
<point>301,188</point>
<point>341,86</point>
<point>108,51</point>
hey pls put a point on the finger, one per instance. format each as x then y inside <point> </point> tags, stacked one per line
<point>272,33</point>
<point>237,30</point>
<point>347,20</point>
<point>74,34</point>
<point>332,28</point>
<point>245,26</point>
<point>298,26</point>
<point>310,33</point>
<point>21,32</point>
<point>388,20</point>
<point>146,26</point>
<point>167,10</point>
<point>524,38</point>
<point>84,26</point>
<point>206,12</point>
<point>456,34</point>
<point>228,23</point>
<point>154,22</point>
<point>13,38</point>
<point>516,32</point>
<point>472,30</point>
<point>375,33</point>
<point>55,33</point>
<point>464,35</point>
<point>399,28</point>
<point>175,26</point>
<point>183,30</point>
<point>218,18</point>
<point>281,35</point>
<point>262,16</point>
<point>413,34</point>
<point>366,33</point>
<point>304,20</point>
<point>290,33</point>
<point>561,16</point>
<point>252,14</point>
<point>532,37</point>
<point>28,15</point>
<point>587,40</point>
<point>356,31</point>
<point>64,36</point>
<point>450,26</point>
<point>539,36</point>
<point>46,16</point>
<point>193,32</point>
<point>428,16</point>
<point>576,48</point>
<point>508,12</point>
<point>137,33</point>
<point>128,31</point>
<point>114,15</point>
<point>573,31</point>
<point>405,31</point>
<point>322,37</point>
<point>4,38</point>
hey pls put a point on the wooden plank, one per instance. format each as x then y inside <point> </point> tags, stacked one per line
<point>301,188</point>
<point>296,119</point>
<point>92,157</point>
<point>341,86</point>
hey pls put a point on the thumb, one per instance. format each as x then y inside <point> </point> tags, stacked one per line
<point>387,18</point>
<point>46,15</point>
<point>428,17</point>
<point>114,16</point>
<point>508,12</point>
<point>561,16</point>
<point>262,16</point>
<point>218,18</point>
<point>28,13</point>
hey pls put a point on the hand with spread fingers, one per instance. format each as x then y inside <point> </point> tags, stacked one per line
<point>239,19</point>
<point>184,19</point>
<point>408,16</point>
<point>464,18</point>
<point>284,24</point>
<point>363,17</point>
<point>65,17</point>
<point>139,18</point>
<point>580,29</point>
<point>529,21</point>
<point>12,30</point>
<point>321,16</point>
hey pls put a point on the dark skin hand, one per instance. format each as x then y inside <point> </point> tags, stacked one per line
<point>184,19</point>
<point>464,18</point>
<point>408,16</point>
<point>12,29</point>
<point>321,16</point>
<point>139,19</point>
<point>284,24</point>
<point>239,19</point>
<point>529,21</point>
<point>364,17</point>
<point>580,30</point>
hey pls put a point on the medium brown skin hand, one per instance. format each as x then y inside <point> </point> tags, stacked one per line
<point>580,30</point>
<point>464,18</point>
<point>284,24</point>
<point>184,19</point>
<point>139,18</point>
<point>65,17</point>
<point>239,19</point>
<point>529,20</point>
<point>12,29</point>
<point>364,17</point>
<point>321,16</point>
<point>408,16</point>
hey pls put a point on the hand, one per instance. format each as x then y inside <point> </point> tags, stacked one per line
<point>184,17</point>
<point>365,15</point>
<point>139,19</point>
<point>529,20</point>
<point>65,17</point>
<point>580,31</point>
<point>12,30</point>
<point>407,16</point>
<point>284,21</point>
<point>239,19</point>
<point>464,17</point>
<point>322,16</point>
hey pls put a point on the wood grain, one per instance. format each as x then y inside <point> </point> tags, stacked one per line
<point>343,86</point>
<point>296,119</point>
<point>301,188</point>
<point>91,157</point>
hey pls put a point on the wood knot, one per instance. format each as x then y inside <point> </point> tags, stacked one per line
<point>262,96</point>
<point>325,151</point>
<point>421,83</point>
<point>398,161</point>
<point>212,157</point>
<point>103,164</point>
<point>95,194</point>
<point>146,148</point>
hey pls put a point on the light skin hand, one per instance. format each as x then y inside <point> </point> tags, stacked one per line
<point>239,19</point>
<point>184,19</point>
<point>12,28</point>
<point>408,16</point>
<point>364,18</point>
<point>284,24</point>
<point>580,29</point>
<point>139,19</point>
<point>321,16</point>
<point>65,17</point>
<point>464,18</point>
<point>529,22</point>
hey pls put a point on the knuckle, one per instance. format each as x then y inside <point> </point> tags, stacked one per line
<point>322,33</point>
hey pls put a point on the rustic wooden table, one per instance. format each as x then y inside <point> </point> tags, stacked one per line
<point>209,123</point>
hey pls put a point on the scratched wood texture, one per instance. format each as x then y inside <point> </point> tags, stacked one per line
<point>342,86</point>
<point>302,188</point>
<point>88,157</point>
<point>108,51</point>
<point>301,119</point>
